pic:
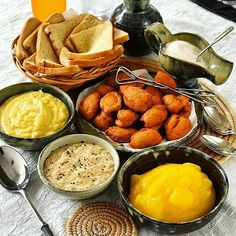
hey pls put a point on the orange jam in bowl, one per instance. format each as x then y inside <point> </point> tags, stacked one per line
<point>173,193</point>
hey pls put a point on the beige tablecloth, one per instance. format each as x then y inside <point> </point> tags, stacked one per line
<point>16,218</point>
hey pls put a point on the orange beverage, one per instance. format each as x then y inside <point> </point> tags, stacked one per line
<point>44,8</point>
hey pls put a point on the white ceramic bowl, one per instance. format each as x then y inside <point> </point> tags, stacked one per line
<point>76,138</point>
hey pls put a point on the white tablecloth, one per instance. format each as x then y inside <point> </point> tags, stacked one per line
<point>16,218</point>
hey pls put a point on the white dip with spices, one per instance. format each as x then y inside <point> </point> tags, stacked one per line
<point>78,167</point>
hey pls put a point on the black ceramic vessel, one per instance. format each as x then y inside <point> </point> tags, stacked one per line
<point>144,161</point>
<point>134,16</point>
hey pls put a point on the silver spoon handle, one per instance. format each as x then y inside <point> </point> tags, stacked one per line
<point>216,40</point>
<point>44,226</point>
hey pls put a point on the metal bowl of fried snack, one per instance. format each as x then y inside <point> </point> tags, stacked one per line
<point>135,116</point>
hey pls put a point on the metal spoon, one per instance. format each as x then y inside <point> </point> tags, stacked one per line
<point>218,145</point>
<point>217,121</point>
<point>14,176</point>
<point>216,40</point>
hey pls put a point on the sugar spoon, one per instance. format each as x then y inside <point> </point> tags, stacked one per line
<point>216,40</point>
<point>218,122</point>
<point>218,145</point>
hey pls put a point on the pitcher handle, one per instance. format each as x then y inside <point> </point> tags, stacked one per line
<point>157,34</point>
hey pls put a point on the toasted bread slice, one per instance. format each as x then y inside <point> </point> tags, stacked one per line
<point>30,42</point>
<point>29,64</point>
<point>93,42</point>
<point>30,25</point>
<point>45,55</point>
<point>59,32</point>
<point>88,22</point>
<point>117,51</point>
<point>120,36</point>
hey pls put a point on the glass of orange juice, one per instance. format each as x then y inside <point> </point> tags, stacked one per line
<point>44,8</point>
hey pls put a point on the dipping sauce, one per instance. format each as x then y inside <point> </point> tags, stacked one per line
<point>173,192</point>
<point>33,114</point>
<point>78,167</point>
<point>185,51</point>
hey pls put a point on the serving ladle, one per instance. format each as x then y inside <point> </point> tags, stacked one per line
<point>218,145</point>
<point>217,121</point>
<point>14,176</point>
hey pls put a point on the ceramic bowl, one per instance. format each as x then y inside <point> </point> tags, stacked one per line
<point>76,138</point>
<point>218,71</point>
<point>145,161</point>
<point>36,143</point>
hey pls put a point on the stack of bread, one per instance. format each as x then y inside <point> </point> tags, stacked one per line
<point>67,47</point>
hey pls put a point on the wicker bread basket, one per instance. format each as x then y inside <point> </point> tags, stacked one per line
<point>66,82</point>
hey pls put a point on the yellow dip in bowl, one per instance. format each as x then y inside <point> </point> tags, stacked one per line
<point>33,114</point>
<point>173,192</point>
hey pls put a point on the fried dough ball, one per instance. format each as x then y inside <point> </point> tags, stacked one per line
<point>111,102</point>
<point>104,89</point>
<point>126,118</point>
<point>177,127</point>
<point>90,105</point>
<point>157,127</point>
<point>111,81</point>
<point>125,86</point>
<point>103,121</point>
<point>120,135</point>
<point>154,116</point>
<point>145,138</point>
<point>156,93</point>
<point>184,100</point>
<point>172,103</point>
<point>164,78</point>
<point>137,99</point>
<point>186,111</point>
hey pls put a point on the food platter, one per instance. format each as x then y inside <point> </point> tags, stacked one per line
<point>86,127</point>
